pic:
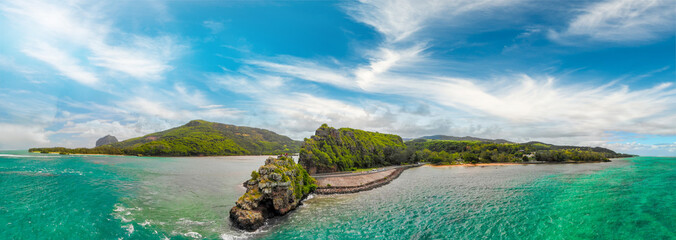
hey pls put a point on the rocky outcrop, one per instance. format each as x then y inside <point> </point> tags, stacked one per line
<point>276,188</point>
<point>334,150</point>
<point>106,140</point>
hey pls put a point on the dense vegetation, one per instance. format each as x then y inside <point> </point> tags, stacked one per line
<point>300,182</point>
<point>196,138</point>
<point>331,150</point>
<point>457,152</point>
<point>276,188</point>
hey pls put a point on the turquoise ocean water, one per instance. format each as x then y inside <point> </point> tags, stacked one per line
<point>46,196</point>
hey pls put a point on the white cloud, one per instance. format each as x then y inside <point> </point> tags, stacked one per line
<point>61,61</point>
<point>177,112</point>
<point>518,106</point>
<point>145,59</point>
<point>666,149</point>
<point>398,20</point>
<point>306,70</point>
<point>519,98</point>
<point>214,26</point>
<point>18,136</point>
<point>621,21</point>
<point>95,129</point>
<point>10,64</point>
<point>83,28</point>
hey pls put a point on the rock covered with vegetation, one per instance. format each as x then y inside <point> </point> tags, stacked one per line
<point>196,138</point>
<point>331,150</point>
<point>106,140</point>
<point>276,188</point>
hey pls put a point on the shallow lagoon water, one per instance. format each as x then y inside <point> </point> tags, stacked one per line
<point>113,197</point>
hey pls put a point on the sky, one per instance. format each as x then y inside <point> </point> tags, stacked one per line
<point>590,73</point>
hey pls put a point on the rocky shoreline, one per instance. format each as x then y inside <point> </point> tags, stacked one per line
<point>363,187</point>
<point>275,189</point>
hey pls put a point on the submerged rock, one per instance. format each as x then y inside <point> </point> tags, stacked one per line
<point>278,187</point>
<point>106,140</point>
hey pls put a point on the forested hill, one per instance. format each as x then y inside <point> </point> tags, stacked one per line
<point>196,138</point>
<point>331,150</point>
<point>456,152</point>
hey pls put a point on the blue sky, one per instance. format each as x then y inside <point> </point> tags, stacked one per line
<point>593,73</point>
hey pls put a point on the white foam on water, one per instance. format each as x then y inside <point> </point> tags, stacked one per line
<point>193,235</point>
<point>226,236</point>
<point>119,212</point>
<point>71,171</point>
<point>120,208</point>
<point>129,228</point>
<point>185,221</point>
<point>311,196</point>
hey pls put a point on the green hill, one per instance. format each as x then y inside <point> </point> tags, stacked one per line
<point>196,138</point>
<point>456,152</point>
<point>331,150</point>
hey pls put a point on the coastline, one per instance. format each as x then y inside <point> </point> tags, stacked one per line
<point>506,164</point>
<point>352,183</point>
<point>126,155</point>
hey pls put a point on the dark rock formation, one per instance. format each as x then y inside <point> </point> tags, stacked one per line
<point>278,187</point>
<point>106,140</point>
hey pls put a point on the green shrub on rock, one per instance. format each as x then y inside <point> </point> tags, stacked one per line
<point>281,182</point>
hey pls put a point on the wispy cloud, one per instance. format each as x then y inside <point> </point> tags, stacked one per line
<point>214,26</point>
<point>665,149</point>
<point>18,136</point>
<point>62,62</point>
<point>620,21</point>
<point>516,103</point>
<point>400,19</point>
<point>84,29</point>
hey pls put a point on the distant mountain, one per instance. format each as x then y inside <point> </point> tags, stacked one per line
<point>466,138</point>
<point>106,140</point>
<point>196,138</point>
